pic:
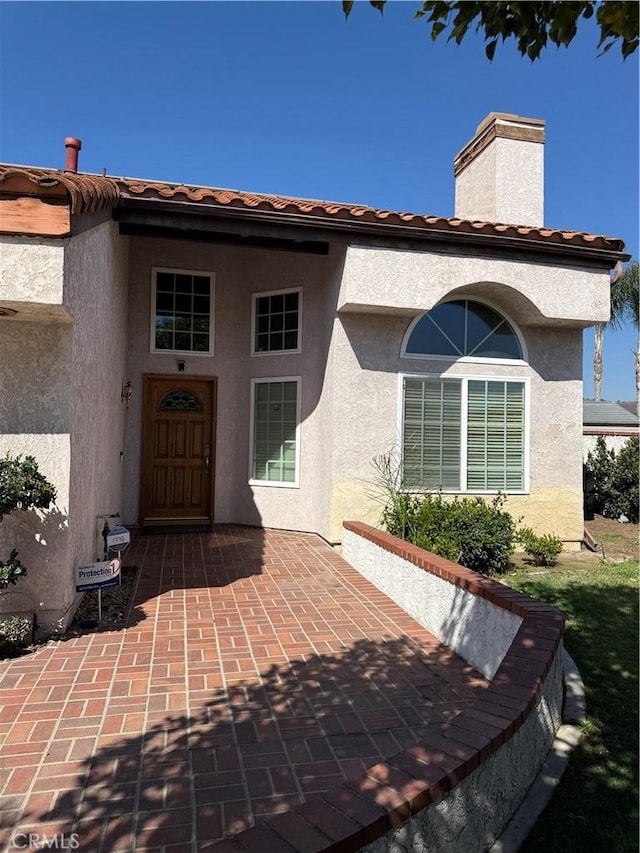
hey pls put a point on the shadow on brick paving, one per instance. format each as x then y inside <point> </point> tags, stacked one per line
<point>261,747</point>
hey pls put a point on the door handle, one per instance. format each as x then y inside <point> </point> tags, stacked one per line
<point>206,455</point>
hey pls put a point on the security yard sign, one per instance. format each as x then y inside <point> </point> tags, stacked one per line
<point>118,539</point>
<point>98,575</point>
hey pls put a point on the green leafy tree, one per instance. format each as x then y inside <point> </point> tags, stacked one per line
<point>598,469</point>
<point>532,24</point>
<point>611,480</point>
<point>623,493</point>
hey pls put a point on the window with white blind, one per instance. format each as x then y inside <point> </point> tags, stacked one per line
<point>275,415</point>
<point>466,435</point>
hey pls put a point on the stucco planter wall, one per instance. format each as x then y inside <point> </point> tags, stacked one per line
<point>456,788</point>
<point>503,634</point>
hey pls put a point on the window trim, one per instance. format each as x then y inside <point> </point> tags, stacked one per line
<point>466,359</point>
<point>274,483</point>
<point>254,300</point>
<point>152,313</point>
<point>464,379</point>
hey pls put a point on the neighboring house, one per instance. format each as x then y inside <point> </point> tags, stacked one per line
<point>188,354</point>
<point>616,422</point>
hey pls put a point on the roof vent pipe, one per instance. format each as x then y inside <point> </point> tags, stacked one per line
<point>72,145</point>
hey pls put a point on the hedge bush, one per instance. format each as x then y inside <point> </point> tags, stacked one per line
<point>469,531</point>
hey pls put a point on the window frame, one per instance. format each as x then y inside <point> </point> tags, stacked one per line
<point>466,359</point>
<point>153,311</point>
<point>464,379</point>
<point>264,380</point>
<point>254,302</point>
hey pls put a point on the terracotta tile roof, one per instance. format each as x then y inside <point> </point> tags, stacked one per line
<point>209,196</point>
<point>87,193</point>
<point>92,193</point>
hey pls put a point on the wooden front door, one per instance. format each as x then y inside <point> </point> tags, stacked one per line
<point>177,450</point>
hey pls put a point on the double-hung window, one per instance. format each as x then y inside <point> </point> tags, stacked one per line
<point>465,435</point>
<point>276,322</point>
<point>181,311</point>
<point>275,443</point>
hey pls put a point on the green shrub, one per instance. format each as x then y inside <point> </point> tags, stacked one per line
<point>15,633</point>
<point>468,531</point>
<point>611,480</point>
<point>11,570</point>
<point>22,486</point>
<point>543,550</point>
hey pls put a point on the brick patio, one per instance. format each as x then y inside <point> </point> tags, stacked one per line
<point>258,669</point>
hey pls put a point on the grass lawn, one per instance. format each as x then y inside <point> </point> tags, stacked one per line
<point>595,808</point>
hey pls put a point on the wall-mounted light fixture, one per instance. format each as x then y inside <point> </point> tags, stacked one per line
<point>180,366</point>
<point>127,390</point>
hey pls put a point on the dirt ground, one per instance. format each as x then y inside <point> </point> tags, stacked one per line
<point>617,540</point>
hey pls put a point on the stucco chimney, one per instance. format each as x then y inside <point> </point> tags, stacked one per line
<point>72,145</point>
<point>500,172</point>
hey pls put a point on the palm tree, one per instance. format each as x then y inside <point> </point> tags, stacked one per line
<point>624,306</point>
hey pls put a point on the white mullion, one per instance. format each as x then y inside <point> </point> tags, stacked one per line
<point>505,433</point>
<point>464,425</point>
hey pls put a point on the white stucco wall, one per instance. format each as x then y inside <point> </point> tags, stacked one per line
<point>408,282</point>
<point>34,420</point>
<point>614,442</point>
<point>366,366</point>
<point>474,628</point>
<point>239,272</point>
<point>63,376</point>
<point>96,285</point>
<point>31,271</point>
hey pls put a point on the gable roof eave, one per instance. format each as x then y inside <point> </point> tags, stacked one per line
<point>390,226</point>
<point>120,197</point>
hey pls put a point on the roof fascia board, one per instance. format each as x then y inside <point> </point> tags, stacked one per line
<point>215,218</point>
<point>228,237</point>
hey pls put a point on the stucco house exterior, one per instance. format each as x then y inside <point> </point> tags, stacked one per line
<point>192,355</point>
<point>615,422</point>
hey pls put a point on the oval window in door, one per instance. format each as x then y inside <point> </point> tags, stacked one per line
<point>180,401</point>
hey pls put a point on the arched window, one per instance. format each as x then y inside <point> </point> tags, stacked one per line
<point>464,433</point>
<point>462,328</point>
<point>180,401</point>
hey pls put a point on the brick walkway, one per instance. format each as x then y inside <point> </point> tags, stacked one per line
<point>258,669</point>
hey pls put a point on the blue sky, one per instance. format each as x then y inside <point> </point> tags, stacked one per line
<point>290,98</point>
